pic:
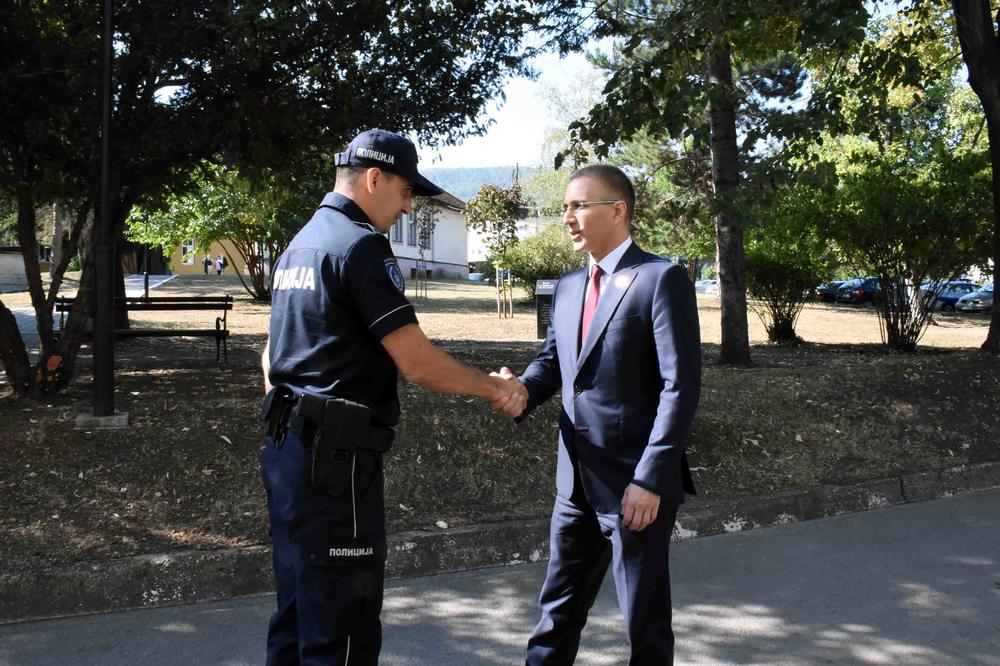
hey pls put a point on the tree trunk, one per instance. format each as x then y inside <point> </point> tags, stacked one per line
<point>26,228</point>
<point>981,52</point>
<point>57,356</point>
<point>14,354</point>
<point>992,343</point>
<point>735,346</point>
<point>781,328</point>
<point>57,238</point>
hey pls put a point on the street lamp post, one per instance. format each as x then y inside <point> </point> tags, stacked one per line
<point>103,414</point>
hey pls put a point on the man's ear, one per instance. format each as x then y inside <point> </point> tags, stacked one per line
<point>624,212</point>
<point>372,176</point>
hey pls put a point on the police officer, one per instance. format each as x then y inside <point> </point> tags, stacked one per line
<point>340,327</point>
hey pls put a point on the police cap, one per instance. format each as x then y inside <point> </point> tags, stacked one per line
<point>389,152</point>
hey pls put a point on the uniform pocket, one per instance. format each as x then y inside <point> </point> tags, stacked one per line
<point>331,469</point>
<point>367,474</point>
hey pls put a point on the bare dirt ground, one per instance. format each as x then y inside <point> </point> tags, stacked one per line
<point>185,473</point>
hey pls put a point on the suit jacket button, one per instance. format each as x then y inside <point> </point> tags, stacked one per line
<point>578,389</point>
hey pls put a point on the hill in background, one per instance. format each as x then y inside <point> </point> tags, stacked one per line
<point>465,182</point>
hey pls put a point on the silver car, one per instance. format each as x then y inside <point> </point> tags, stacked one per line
<point>977,301</point>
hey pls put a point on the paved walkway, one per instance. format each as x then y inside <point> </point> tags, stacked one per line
<point>135,285</point>
<point>917,585</point>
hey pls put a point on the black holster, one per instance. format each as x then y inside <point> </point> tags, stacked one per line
<point>334,428</point>
<point>274,412</point>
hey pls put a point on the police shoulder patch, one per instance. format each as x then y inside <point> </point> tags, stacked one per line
<point>396,275</point>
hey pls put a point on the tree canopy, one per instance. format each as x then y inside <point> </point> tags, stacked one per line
<point>261,86</point>
<point>494,212</point>
<point>728,78</point>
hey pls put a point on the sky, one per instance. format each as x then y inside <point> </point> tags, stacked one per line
<point>520,122</point>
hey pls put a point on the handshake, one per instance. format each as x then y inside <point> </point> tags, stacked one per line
<point>509,395</point>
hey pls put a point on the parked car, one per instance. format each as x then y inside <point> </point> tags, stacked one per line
<point>858,291</point>
<point>977,301</point>
<point>946,294</point>
<point>827,291</point>
<point>702,286</point>
<point>939,284</point>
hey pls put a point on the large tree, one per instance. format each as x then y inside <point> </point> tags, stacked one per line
<point>47,109</point>
<point>728,76</point>
<point>911,201</point>
<point>269,84</point>
<point>979,35</point>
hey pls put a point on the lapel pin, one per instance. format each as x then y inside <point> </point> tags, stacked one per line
<point>621,281</point>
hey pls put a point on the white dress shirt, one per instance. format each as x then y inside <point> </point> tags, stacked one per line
<point>610,262</point>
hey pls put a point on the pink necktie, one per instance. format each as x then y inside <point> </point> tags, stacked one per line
<point>593,293</point>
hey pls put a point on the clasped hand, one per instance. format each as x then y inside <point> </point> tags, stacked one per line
<point>510,396</point>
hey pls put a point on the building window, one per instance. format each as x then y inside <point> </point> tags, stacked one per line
<point>187,253</point>
<point>411,231</point>
<point>397,229</point>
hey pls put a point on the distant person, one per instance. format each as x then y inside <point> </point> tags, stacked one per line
<point>206,262</point>
<point>225,262</point>
<point>218,265</point>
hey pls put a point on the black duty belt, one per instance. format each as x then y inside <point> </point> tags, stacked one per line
<point>345,424</point>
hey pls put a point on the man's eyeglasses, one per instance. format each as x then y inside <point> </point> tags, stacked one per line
<point>574,206</point>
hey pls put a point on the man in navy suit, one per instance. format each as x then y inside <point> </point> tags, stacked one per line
<point>624,345</point>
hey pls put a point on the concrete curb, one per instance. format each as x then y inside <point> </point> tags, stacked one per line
<point>192,576</point>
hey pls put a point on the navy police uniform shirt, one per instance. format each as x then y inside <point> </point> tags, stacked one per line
<point>335,293</point>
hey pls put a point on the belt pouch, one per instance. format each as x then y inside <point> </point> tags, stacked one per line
<point>344,424</point>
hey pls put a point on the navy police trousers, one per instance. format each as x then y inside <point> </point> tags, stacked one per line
<point>329,558</point>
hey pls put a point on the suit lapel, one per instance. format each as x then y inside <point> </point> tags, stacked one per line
<point>570,306</point>
<point>618,283</point>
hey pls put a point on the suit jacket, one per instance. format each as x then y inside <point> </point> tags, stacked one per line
<point>630,389</point>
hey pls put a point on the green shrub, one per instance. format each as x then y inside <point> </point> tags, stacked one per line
<point>549,255</point>
<point>778,287</point>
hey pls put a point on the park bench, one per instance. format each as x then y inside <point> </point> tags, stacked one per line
<point>170,303</point>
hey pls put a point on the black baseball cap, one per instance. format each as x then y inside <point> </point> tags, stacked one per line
<point>390,152</point>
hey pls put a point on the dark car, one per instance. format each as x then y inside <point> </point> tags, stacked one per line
<point>977,301</point>
<point>827,292</point>
<point>858,291</point>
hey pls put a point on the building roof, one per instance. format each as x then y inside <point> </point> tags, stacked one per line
<point>448,201</point>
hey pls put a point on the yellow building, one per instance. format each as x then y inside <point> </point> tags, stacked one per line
<point>188,258</point>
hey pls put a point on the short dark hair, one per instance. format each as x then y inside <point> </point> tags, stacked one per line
<point>612,178</point>
<point>348,175</point>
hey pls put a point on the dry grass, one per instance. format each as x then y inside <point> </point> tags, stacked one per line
<point>185,473</point>
<point>466,311</point>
